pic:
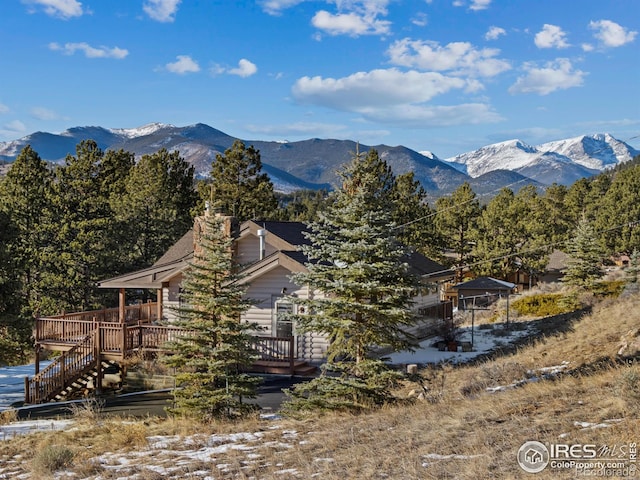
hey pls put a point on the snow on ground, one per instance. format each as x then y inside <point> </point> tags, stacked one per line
<point>484,341</point>
<point>12,382</point>
<point>24,427</point>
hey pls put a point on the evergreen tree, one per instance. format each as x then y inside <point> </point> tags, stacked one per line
<point>80,252</point>
<point>14,328</point>
<point>238,186</point>
<point>26,196</point>
<point>585,257</point>
<point>213,358</point>
<point>300,205</point>
<point>511,235</point>
<point>633,270</point>
<point>366,285</point>
<point>456,219</point>
<point>415,218</point>
<point>155,209</point>
<point>552,214</point>
<point>618,214</point>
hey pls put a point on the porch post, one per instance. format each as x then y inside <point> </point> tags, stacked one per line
<point>159,303</point>
<point>37,359</point>
<point>97,349</point>
<point>121,304</point>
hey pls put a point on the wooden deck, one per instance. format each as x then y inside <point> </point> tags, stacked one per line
<point>88,339</point>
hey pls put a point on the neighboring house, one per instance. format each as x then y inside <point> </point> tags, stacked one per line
<point>270,253</point>
<point>482,291</point>
<point>556,267</point>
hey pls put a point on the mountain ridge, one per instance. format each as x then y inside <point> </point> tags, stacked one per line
<point>313,163</point>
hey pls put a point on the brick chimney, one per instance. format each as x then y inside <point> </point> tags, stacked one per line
<point>230,227</point>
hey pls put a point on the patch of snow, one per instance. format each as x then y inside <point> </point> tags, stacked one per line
<point>140,131</point>
<point>14,429</point>
<point>484,341</point>
<point>12,382</point>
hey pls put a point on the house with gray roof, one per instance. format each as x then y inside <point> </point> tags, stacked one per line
<point>270,252</point>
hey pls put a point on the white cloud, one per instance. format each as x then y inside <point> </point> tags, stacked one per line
<point>183,65</point>
<point>456,57</point>
<point>275,7</point>
<point>423,116</point>
<point>245,69</point>
<point>556,75</point>
<point>421,20</point>
<point>4,108</point>
<point>476,5</point>
<point>390,96</point>
<point>352,24</point>
<point>64,9</point>
<point>161,10</point>
<point>611,34</point>
<point>13,128</point>
<point>480,4</point>
<point>360,91</point>
<point>89,51</point>
<point>551,36</point>
<point>494,33</point>
<point>587,47</point>
<point>42,113</point>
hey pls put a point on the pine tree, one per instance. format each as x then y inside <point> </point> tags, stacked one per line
<point>238,185</point>
<point>511,235</point>
<point>415,218</point>
<point>619,207</point>
<point>633,270</point>
<point>456,219</point>
<point>80,250</point>
<point>155,209</point>
<point>212,359</point>
<point>361,270</point>
<point>585,257</point>
<point>26,200</point>
<point>15,330</point>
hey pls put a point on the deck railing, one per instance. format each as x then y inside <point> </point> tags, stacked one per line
<point>279,350</point>
<point>61,372</point>
<point>89,341</point>
<point>132,313</point>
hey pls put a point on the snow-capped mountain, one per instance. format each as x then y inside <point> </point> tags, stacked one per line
<point>563,161</point>
<point>307,164</point>
<point>313,163</point>
<point>599,151</point>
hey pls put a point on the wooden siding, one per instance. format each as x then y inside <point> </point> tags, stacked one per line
<point>266,290</point>
<point>171,299</point>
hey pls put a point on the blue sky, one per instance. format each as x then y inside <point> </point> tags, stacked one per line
<point>447,76</point>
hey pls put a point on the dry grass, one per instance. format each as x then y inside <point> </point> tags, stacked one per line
<point>462,431</point>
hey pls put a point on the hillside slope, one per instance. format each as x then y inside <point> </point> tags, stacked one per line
<point>566,385</point>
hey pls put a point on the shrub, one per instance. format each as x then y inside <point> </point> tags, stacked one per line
<point>609,288</point>
<point>8,416</point>
<point>51,459</point>
<point>545,304</point>
<point>628,384</point>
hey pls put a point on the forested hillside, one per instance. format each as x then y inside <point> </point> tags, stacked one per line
<point>101,214</point>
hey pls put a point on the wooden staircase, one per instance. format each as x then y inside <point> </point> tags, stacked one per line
<point>74,372</point>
